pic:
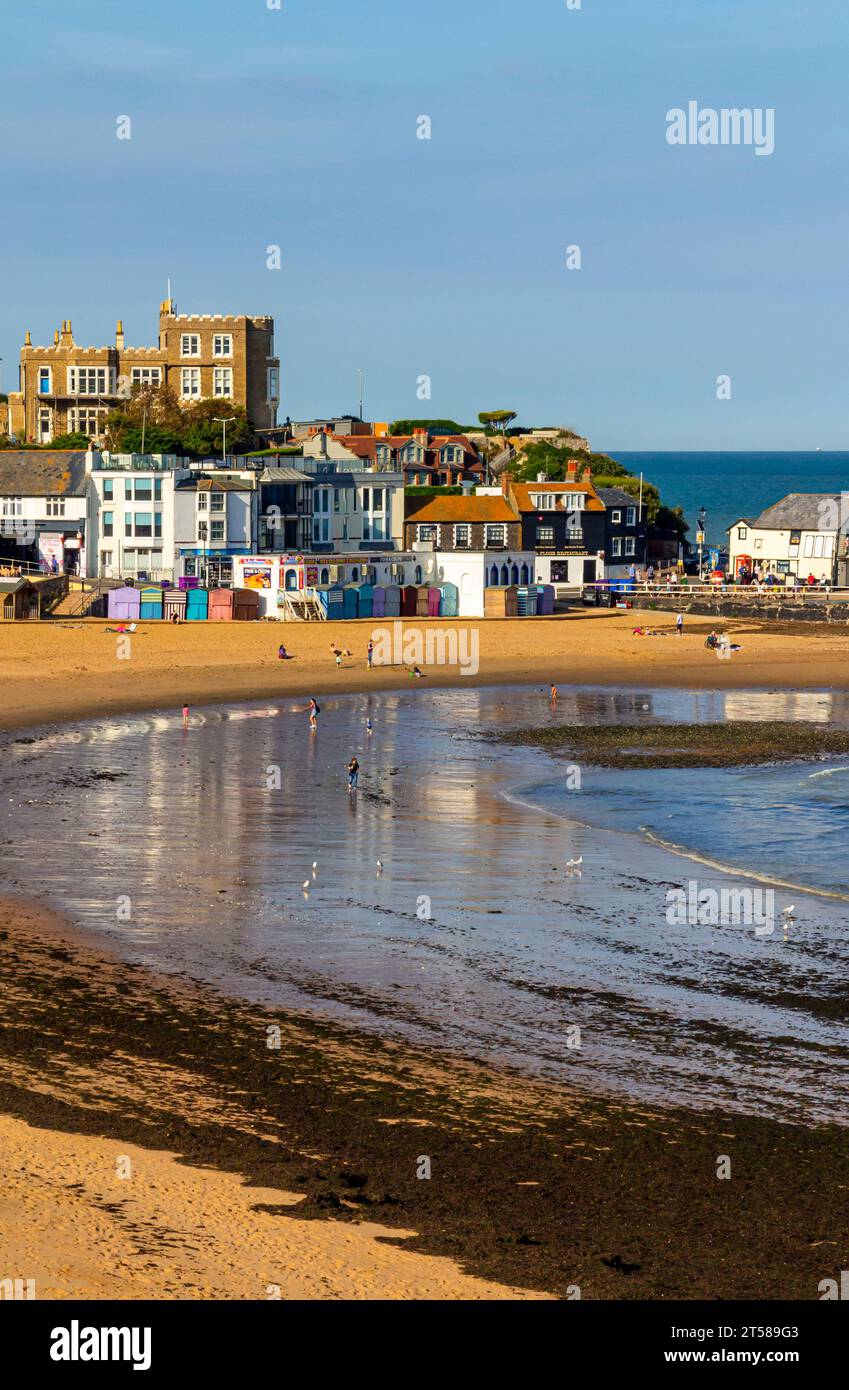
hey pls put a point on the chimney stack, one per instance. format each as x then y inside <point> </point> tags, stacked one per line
<point>28,339</point>
<point>572,468</point>
<point>506,480</point>
<point>119,336</point>
<point>588,476</point>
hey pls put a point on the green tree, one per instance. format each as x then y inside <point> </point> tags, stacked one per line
<point>204,436</point>
<point>70,441</point>
<point>436,426</point>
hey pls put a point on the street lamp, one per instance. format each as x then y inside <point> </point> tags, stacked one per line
<point>227,420</point>
<point>701,538</point>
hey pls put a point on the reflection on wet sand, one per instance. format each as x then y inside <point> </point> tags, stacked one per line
<point>210,833</point>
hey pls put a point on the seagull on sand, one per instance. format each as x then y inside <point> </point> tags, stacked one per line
<point>575,863</point>
<point>379,867</point>
<point>306,883</point>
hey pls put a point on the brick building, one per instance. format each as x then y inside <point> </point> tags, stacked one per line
<point>65,388</point>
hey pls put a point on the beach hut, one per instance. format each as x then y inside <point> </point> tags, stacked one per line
<point>150,605</point>
<point>378,602</point>
<point>321,591</point>
<point>394,595</point>
<point>365,601</point>
<point>545,599</point>
<point>350,594</point>
<point>220,608</point>
<point>527,602</point>
<point>19,599</point>
<point>125,604</point>
<point>501,601</point>
<point>335,601</point>
<point>434,602</point>
<point>409,600</point>
<point>450,600</point>
<point>197,605</point>
<point>245,605</point>
<point>422,600</point>
<point>174,601</point>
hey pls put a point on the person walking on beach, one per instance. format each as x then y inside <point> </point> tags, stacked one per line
<point>553,694</point>
<point>185,716</point>
<point>369,728</point>
<point>679,624</point>
<point>315,711</point>
<point>369,654</point>
<point>353,774</point>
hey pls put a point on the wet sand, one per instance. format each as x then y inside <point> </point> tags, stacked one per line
<point>297,1167</point>
<point>55,671</point>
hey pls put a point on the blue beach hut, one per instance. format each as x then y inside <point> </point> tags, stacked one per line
<point>450,600</point>
<point>197,605</point>
<point>365,601</point>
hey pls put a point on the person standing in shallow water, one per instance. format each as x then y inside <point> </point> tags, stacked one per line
<point>353,774</point>
<point>185,716</point>
<point>315,711</point>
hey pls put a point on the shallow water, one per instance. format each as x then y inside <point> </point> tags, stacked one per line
<point>188,850</point>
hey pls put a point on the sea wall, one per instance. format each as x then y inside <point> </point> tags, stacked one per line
<point>779,607</point>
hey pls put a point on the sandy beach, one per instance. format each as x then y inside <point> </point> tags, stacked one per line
<point>62,671</point>
<point>155,1147</point>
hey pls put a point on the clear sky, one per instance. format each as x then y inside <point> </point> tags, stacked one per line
<point>447,257</point>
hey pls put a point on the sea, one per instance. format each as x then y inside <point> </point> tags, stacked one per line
<point>734,485</point>
<point>472,895</point>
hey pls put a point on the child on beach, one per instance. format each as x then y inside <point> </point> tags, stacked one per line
<point>315,711</point>
<point>185,716</point>
<point>353,774</point>
<point>679,624</point>
<point>553,694</point>
<point>416,672</point>
<point>369,654</point>
<point>282,654</point>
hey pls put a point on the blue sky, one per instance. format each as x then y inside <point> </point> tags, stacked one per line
<point>405,257</point>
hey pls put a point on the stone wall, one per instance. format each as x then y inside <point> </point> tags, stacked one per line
<point>779,607</point>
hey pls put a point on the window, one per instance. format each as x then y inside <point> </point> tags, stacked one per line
<point>222,345</point>
<point>55,506</point>
<point>108,489</point>
<point>203,530</point>
<point>90,381</point>
<point>203,501</point>
<point>108,524</point>
<point>45,425</point>
<point>617,545</point>
<point>86,421</point>
<point>576,502</point>
<point>496,534</point>
<point>189,345</point>
<point>216,501</point>
<point>545,535</point>
<point>13,506</point>
<point>128,489</point>
<point>146,376</point>
<point>45,381</point>
<point>809,546</point>
<point>374,509</point>
<point>630,545</point>
<point>144,523</point>
<point>273,384</point>
<point>143,489</point>
<point>742,533</point>
<point>157,489</point>
<point>544,501</point>
<point>189,382</point>
<point>631,516</point>
<point>222,381</point>
<point>427,533</point>
<point>462,536</point>
<point>217,532</point>
<point>616,518</point>
<point>128,523</point>
<point>321,529</point>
